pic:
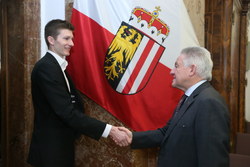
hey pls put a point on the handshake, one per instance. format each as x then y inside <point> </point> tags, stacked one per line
<point>121,136</point>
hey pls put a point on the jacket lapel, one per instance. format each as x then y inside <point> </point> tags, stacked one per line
<point>52,59</point>
<point>70,81</point>
<point>184,108</point>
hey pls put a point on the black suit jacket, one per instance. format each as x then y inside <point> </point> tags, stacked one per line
<point>59,117</point>
<point>197,137</point>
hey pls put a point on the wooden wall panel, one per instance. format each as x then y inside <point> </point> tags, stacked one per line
<point>225,32</point>
<point>20,49</point>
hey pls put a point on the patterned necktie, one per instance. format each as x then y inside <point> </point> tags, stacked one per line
<point>181,102</point>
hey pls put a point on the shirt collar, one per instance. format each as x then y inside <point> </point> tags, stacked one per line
<point>192,88</point>
<point>61,61</point>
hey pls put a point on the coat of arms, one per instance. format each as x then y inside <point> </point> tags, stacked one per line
<point>134,53</point>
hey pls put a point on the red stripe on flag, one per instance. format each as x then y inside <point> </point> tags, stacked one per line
<point>138,66</point>
<point>87,56</point>
<point>152,67</point>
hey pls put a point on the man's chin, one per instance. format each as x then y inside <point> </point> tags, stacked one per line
<point>173,85</point>
<point>67,53</point>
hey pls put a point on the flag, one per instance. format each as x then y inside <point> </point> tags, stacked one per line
<point>123,54</point>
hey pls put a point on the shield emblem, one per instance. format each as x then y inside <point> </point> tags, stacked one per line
<point>131,59</point>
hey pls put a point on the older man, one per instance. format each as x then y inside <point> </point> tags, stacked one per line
<point>198,133</point>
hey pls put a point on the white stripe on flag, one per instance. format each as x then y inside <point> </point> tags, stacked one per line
<point>144,68</point>
<point>132,65</point>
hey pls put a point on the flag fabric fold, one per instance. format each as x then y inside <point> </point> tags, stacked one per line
<point>123,53</point>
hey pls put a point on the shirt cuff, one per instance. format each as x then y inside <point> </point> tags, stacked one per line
<point>106,131</point>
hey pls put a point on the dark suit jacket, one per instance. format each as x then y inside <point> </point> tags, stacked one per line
<point>59,117</point>
<point>197,137</point>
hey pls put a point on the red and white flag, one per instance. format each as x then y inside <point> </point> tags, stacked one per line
<point>123,53</point>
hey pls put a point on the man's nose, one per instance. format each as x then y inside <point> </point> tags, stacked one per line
<point>172,71</point>
<point>71,43</point>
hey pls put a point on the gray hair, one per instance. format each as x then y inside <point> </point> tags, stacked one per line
<point>201,58</point>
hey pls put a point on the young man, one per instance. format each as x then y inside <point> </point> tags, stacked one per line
<point>198,133</point>
<point>59,112</point>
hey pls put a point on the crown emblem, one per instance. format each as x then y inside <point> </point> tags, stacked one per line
<point>152,20</point>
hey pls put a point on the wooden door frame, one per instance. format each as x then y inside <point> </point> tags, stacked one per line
<point>4,85</point>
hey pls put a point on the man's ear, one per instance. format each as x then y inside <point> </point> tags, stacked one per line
<point>193,69</point>
<point>51,40</point>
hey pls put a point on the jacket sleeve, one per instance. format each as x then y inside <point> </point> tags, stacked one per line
<point>148,139</point>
